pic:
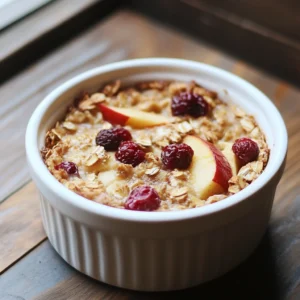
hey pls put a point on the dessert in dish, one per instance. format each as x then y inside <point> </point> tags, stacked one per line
<point>155,146</point>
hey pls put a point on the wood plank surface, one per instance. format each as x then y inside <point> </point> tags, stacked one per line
<point>272,272</point>
<point>20,225</point>
<point>12,11</point>
<point>49,27</point>
<point>280,16</point>
<point>34,274</point>
<point>62,9</point>
<point>227,26</point>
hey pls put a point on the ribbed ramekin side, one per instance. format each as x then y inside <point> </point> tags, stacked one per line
<point>154,264</point>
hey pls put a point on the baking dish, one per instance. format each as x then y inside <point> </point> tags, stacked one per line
<point>156,251</point>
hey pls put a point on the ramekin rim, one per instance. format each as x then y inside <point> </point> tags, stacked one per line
<point>60,191</point>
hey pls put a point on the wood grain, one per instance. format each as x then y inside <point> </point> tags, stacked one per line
<point>280,16</point>
<point>15,10</point>
<point>20,225</point>
<point>271,272</point>
<point>62,10</point>
<point>45,30</point>
<point>35,273</point>
<point>264,46</point>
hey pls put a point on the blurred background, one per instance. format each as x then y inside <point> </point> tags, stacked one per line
<point>265,33</point>
<point>43,43</point>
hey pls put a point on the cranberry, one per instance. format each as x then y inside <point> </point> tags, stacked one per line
<point>245,149</point>
<point>143,198</point>
<point>130,153</point>
<point>187,103</point>
<point>177,156</point>
<point>111,139</point>
<point>69,167</point>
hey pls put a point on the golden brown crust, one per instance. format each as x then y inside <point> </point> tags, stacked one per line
<point>107,181</point>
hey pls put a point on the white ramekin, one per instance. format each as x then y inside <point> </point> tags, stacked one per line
<point>156,251</point>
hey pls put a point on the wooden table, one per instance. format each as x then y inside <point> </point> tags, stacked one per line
<point>30,267</point>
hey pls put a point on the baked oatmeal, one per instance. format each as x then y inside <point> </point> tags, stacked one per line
<point>155,146</point>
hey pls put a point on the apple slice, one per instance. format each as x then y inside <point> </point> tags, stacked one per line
<point>230,156</point>
<point>107,177</point>
<point>132,117</point>
<point>210,170</point>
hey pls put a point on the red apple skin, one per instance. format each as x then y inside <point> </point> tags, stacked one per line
<point>112,116</point>
<point>223,171</point>
<point>231,157</point>
<point>209,170</point>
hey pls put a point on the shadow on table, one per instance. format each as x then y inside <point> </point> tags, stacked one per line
<point>256,278</point>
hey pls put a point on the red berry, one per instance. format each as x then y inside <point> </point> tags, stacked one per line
<point>111,139</point>
<point>187,103</point>
<point>130,153</point>
<point>177,156</point>
<point>69,167</point>
<point>143,198</point>
<point>246,150</point>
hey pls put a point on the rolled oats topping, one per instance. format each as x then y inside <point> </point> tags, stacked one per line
<point>155,146</point>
